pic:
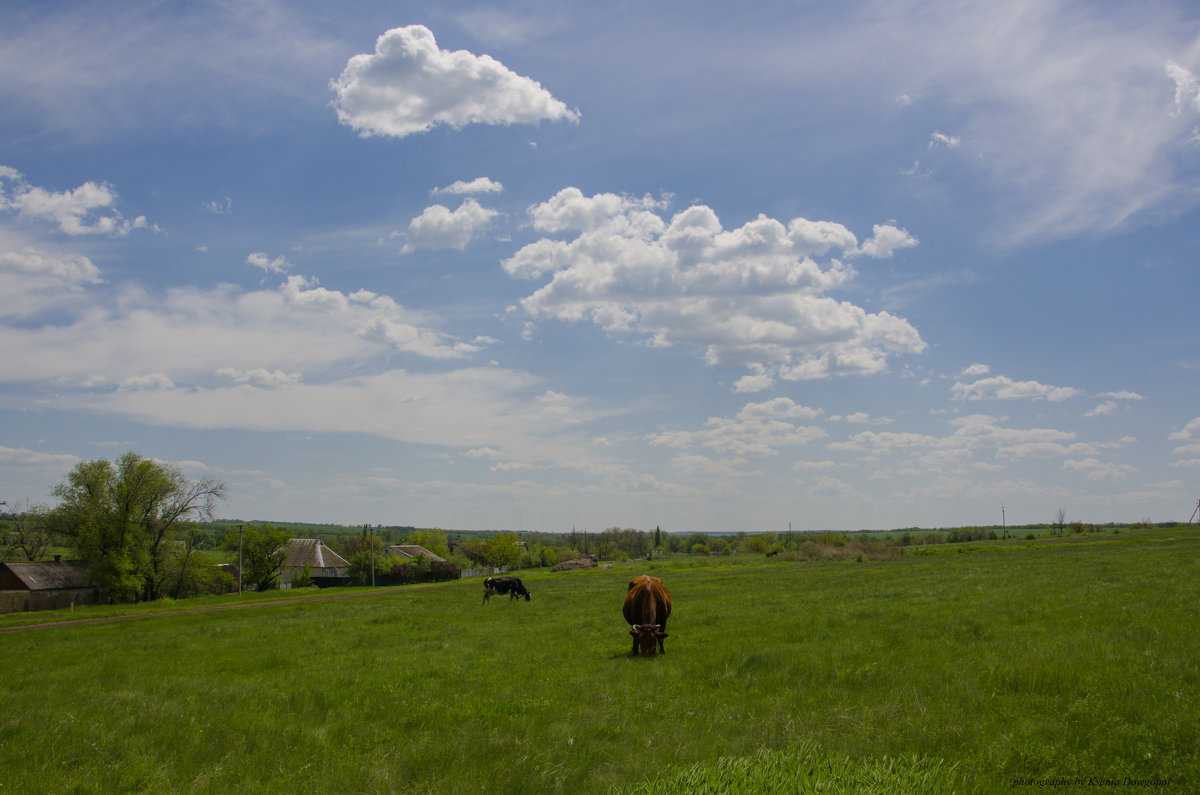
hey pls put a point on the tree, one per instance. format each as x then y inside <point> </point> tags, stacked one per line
<point>1060,520</point>
<point>27,535</point>
<point>367,556</point>
<point>432,539</point>
<point>502,549</point>
<point>120,515</point>
<point>264,550</point>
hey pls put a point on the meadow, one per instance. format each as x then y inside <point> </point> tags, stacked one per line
<point>1010,665</point>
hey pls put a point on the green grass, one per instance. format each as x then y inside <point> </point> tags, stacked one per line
<point>1067,658</point>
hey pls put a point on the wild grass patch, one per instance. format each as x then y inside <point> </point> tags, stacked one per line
<point>964,671</point>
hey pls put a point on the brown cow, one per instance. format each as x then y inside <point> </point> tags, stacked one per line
<point>647,607</point>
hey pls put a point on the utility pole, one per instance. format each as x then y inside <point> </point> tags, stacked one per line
<point>241,530</point>
<point>371,541</point>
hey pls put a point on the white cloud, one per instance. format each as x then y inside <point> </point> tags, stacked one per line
<point>409,85</point>
<point>224,207</point>
<point>259,376</point>
<point>87,209</point>
<point>758,429</point>
<point>263,262</point>
<point>801,466</point>
<point>149,381</point>
<point>1189,432</point>
<point>977,369</point>
<point>190,335</point>
<point>484,452</point>
<point>477,185</point>
<point>1077,126</point>
<point>1187,87</point>
<point>1107,407</point>
<point>23,457</point>
<point>1123,395</point>
<point>37,277</point>
<point>941,139</point>
<point>1003,388</point>
<point>68,268</point>
<point>885,241</point>
<point>1099,470</point>
<point>751,296</point>
<point>439,227</point>
<point>753,383</point>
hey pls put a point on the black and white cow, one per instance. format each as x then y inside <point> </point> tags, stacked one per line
<point>509,585</point>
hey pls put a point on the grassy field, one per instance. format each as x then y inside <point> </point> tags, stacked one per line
<point>981,667</point>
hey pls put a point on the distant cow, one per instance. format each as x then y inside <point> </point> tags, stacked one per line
<point>647,607</point>
<point>509,585</point>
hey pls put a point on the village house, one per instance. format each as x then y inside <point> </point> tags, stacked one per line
<point>323,565</point>
<point>411,551</point>
<point>44,585</point>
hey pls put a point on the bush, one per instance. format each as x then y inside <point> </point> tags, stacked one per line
<point>419,569</point>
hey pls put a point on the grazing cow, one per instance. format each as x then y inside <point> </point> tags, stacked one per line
<point>488,593</point>
<point>647,607</point>
<point>509,585</point>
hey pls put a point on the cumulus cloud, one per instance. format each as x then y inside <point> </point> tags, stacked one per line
<point>758,429</point>
<point>87,209</point>
<point>409,85</point>
<point>477,185</point>
<point>751,296</point>
<point>440,227</point>
<point>1003,388</point>
<point>1189,432</point>
<point>885,241</point>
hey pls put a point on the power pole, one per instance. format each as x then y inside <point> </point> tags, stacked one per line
<point>241,530</point>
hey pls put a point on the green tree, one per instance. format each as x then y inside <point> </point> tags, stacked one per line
<point>432,539</point>
<point>119,517</point>
<point>264,550</point>
<point>26,535</point>
<point>755,544</point>
<point>367,552</point>
<point>502,549</point>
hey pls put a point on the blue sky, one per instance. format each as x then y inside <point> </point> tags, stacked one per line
<point>538,266</point>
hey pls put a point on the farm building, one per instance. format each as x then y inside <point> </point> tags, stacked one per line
<point>44,585</point>
<point>410,551</point>
<point>325,566</point>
